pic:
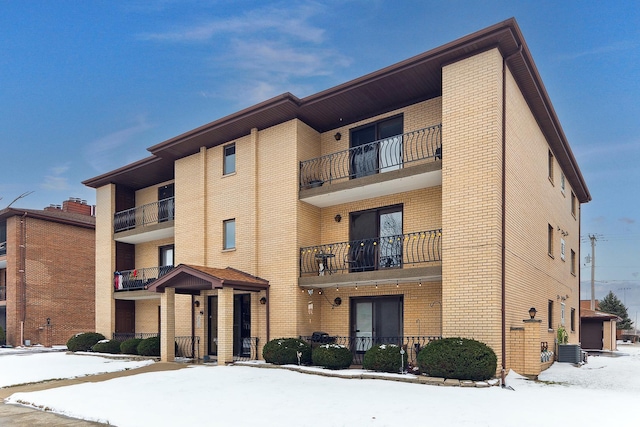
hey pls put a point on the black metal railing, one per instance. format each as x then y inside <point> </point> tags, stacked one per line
<point>372,254</point>
<point>245,349</point>
<point>3,293</point>
<point>185,346</point>
<point>129,280</point>
<point>359,345</point>
<point>151,213</point>
<point>375,157</point>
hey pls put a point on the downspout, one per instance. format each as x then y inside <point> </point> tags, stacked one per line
<point>23,273</point>
<point>267,307</point>
<point>503,370</point>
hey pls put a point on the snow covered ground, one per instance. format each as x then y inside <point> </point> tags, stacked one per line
<point>604,391</point>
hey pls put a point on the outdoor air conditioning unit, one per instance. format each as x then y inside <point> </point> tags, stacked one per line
<point>569,353</point>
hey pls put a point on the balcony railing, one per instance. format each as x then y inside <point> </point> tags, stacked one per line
<point>359,345</point>
<point>131,280</point>
<point>151,213</point>
<point>375,157</point>
<point>186,346</point>
<point>3,248</point>
<point>3,293</point>
<point>372,254</point>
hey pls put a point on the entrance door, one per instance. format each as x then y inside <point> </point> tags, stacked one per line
<point>376,147</point>
<point>376,320</point>
<point>241,325</point>
<point>125,317</point>
<point>165,203</point>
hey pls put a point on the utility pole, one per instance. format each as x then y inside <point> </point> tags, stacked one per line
<point>593,239</point>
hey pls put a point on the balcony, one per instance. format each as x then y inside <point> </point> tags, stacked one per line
<point>141,278</point>
<point>388,259</point>
<point>3,293</point>
<point>375,169</point>
<point>3,248</point>
<point>145,223</point>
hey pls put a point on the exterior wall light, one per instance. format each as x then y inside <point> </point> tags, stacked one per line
<point>263,300</point>
<point>532,312</point>
<point>338,218</point>
<point>337,136</point>
<point>337,301</point>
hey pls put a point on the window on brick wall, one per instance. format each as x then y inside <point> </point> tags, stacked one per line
<point>573,319</point>
<point>573,262</point>
<point>562,246</point>
<point>550,164</point>
<point>562,305</point>
<point>562,182</point>
<point>229,159</point>
<point>550,239</point>
<point>550,315</point>
<point>574,204</point>
<point>229,232</point>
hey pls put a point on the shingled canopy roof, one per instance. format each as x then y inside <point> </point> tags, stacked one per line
<point>191,279</point>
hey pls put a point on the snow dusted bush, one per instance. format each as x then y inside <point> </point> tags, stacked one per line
<point>332,356</point>
<point>458,358</point>
<point>107,346</point>
<point>84,341</point>
<point>130,346</point>
<point>385,358</point>
<point>284,351</point>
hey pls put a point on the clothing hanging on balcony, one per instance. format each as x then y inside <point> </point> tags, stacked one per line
<point>117,281</point>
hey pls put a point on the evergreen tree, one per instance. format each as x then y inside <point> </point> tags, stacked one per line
<point>612,305</point>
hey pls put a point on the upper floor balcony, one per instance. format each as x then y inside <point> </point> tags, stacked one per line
<point>3,254</point>
<point>396,164</point>
<point>138,279</point>
<point>386,259</point>
<point>145,223</point>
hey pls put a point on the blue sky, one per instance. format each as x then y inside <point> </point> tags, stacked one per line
<point>87,86</point>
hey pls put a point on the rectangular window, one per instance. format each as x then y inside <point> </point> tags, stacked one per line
<point>376,147</point>
<point>573,262</point>
<point>562,249</point>
<point>229,230</point>
<point>550,166</point>
<point>229,159</point>
<point>550,240</point>
<point>573,320</point>
<point>562,182</point>
<point>376,239</point>
<point>562,313</point>
<point>573,205</point>
<point>550,315</point>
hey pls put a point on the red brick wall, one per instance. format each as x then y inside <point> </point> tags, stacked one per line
<point>60,271</point>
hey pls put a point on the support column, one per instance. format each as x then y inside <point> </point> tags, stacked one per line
<point>531,348</point>
<point>225,326</point>
<point>168,325</point>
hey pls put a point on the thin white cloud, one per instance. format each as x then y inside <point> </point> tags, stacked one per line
<point>626,220</point>
<point>55,179</point>
<point>100,154</point>
<point>601,50</point>
<point>288,21</point>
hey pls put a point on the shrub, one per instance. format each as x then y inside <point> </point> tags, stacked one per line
<point>107,346</point>
<point>332,356</point>
<point>283,351</point>
<point>458,358</point>
<point>130,346</point>
<point>149,347</point>
<point>385,358</point>
<point>84,341</point>
<point>2,336</point>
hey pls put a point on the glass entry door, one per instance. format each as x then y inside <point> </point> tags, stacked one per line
<point>376,320</point>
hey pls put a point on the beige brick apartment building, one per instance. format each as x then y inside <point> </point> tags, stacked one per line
<point>435,197</point>
<point>47,259</point>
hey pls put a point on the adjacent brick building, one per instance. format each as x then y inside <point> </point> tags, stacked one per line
<point>435,197</point>
<point>47,272</point>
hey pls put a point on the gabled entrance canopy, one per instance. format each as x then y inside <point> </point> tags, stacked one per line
<point>191,279</point>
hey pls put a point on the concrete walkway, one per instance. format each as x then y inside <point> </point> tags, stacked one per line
<point>20,416</point>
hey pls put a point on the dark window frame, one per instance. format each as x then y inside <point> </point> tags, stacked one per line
<point>225,234</point>
<point>550,315</point>
<point>229,159</point>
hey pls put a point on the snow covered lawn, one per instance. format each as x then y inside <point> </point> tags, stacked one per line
<point>242,395</point>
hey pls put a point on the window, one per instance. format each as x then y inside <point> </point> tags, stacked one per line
<point>562,313</point>
<point>229,159</point>
<point>562,182</point>
<point>573,204</point>
<point>573,319</point>
<point>377,239</point>
<point>229,230</point>
<point>562,249</point>
<point>550,240</point>
<point>573,262</point>
<point>165,261</point>
<point>550,315</point>
<point>550,166</point>
<point>376,147</point>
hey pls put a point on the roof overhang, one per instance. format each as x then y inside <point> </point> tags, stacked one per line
<point>192,279</point>
<point>405,83</point>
